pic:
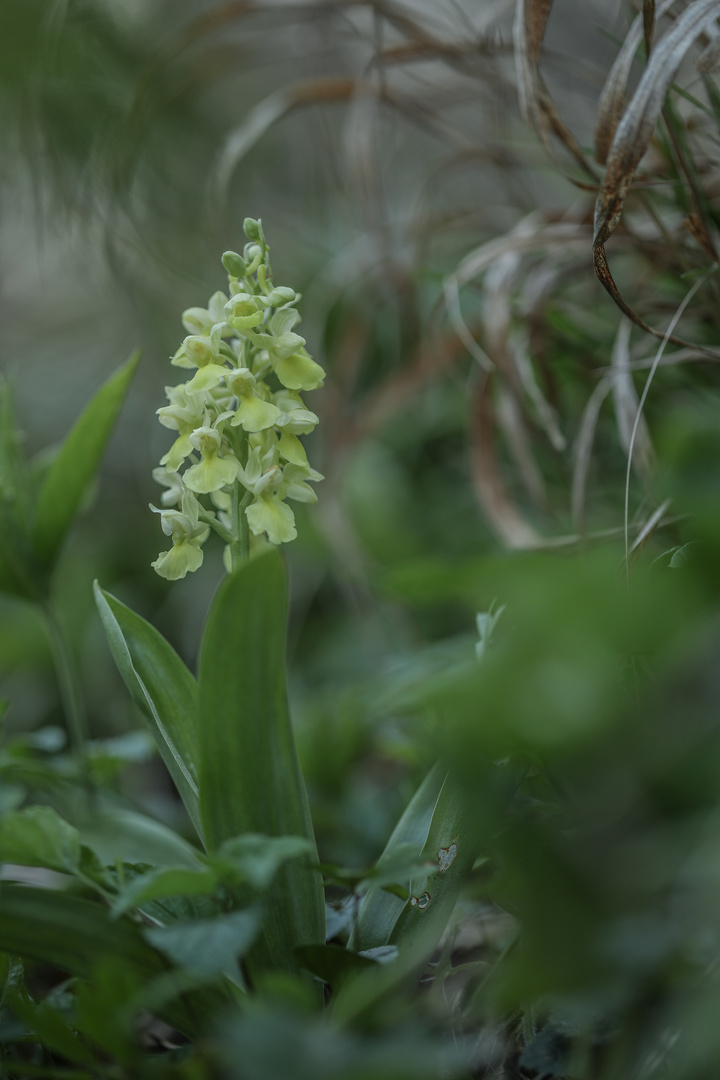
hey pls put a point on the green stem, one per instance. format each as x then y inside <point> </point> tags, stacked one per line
<point>240,546</point>
<point>68,683</point>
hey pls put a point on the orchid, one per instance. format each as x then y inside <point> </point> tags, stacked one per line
<point>238,417</point>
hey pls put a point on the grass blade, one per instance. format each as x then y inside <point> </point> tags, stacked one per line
<point>250,778</point>
<point>162,687</point>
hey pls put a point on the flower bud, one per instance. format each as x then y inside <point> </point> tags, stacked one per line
<point>252,228</point>
<point>281,294</point>
<point>234,264</point>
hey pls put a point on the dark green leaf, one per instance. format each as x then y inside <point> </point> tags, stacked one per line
<point>331,963</point>
<point>77,462</point>
<point>257,859</point>
<point>169,881</point>
<point>209,946</point>
<point>76,935</point>
<point>52,1029</point>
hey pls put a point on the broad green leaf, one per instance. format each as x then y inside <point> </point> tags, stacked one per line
<point>75,465</point>
<point>379,910</point>
<point>257,859</point>
<point>76,935</point>
<point>38,837</point>
<point>209,946</point>
<point>134,838</point>
<point>250,778</point>
<point>169,881</point>
<point>162,687</point>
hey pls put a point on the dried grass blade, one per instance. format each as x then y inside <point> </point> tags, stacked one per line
<point>648,17</point>
<point>531,18</point>
<point>646,389</point>
<point>503,516</point>
<point>602,272</point>
<point>530,234</point>
<point>512,425</point>
<point>536,104</point>
<point>635,130</point>
<point>583,450</point>
<point>266,113</point>
<point>698,230</point>
<point>625,400</point>
<point>710,56</point>
<point>650,525</point>
<point>545,412</point>
<point>612,97</point>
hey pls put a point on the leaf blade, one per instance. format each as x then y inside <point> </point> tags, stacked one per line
<point>79,457</point>
<point>164,689</point>
<point>250,779</point>
<point>379,910</point>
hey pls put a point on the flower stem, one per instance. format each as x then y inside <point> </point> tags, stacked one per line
<point>240,546</point>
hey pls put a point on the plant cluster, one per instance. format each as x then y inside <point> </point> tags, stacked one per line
<point>461,821</point>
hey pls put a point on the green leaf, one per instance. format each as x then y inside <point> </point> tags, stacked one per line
<point>257,859</point>
<point>52,1029</point>
<point>250,778</point>
<point>379,909</point>
<point>451,848</point>
<point>332,963</point>
<point>162,687</point>
<point>75,935</point>
<point>209,946</point>
<point>134,838</point>
<point>75,465</point>
<point>38,837</point>
<point>168,881</point>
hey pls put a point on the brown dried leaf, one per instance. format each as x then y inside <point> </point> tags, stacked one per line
<point>648,17</point>
<point>536,104</point>
<point>602,272</point>
<point>636,128</point>
<point>612,97</point>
